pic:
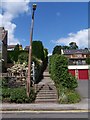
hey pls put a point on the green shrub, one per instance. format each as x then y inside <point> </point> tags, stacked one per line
<point>64,81</point>
<point>38,50</point>
<point>57,50</point>
<point>67,96</point>
<point>73,97</point>
<point>4,81</point>
<point>6,92</point>
<point>88,60</point>
<point>23,57</point>
<point>13,55</point>
<point>67,80</point>
<point>59,72</point>
<point>17,95</point>
<point>50,58</point>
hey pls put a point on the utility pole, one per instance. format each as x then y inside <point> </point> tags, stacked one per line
<point>30,53</point>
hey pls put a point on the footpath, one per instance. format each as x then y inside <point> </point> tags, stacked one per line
<point>46,100</point>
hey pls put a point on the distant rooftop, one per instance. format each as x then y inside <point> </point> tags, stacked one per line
<point>78,51</point>
<point>12,46</point>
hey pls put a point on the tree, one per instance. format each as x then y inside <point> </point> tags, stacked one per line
<point>23,57</point>
<point>38,50</point>
<point>45,52</point>
<point>86,48</point>
<point>16,47</point>
<point>16,53</point>
<point>45,61</point>
<point>73,45</point>
<point>88,60</point>
<point>59,72</point>
<point>65,47</point>
<point>57,50</point>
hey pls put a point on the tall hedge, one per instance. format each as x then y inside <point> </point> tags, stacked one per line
<point>38,50</point>
<point>59,71</point>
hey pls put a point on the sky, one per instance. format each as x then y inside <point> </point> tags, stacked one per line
<point>55,23</point>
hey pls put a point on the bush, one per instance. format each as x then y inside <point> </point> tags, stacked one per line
<point>57,50</point>
<point>50,58</point>
<point>6,92</point>
<point>4,81</point>
<point>88,60</point>
<point>64,81</point>
<point>17,95</point>
<point>59,72</point>
<point>23,57</point>
<point>73,97</point>
<point>69,97</point>
<point>13,55</point>
<point>38,50</point>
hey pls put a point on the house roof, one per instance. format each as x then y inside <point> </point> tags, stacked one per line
<point>27,48</point>
<point>79,51</point>
<point>12,46</point>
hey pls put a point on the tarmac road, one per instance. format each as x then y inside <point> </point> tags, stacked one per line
<point>45,114</point>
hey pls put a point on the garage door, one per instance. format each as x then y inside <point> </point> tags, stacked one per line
<point>83,74</point>
<point>72,72</point>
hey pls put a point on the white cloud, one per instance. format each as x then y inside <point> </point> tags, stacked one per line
<point>81,38</point>
<point>12,9</point>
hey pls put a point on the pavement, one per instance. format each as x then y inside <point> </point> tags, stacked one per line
<point>83,105</point>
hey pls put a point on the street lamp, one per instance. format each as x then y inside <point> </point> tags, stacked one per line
<point>30,53</point>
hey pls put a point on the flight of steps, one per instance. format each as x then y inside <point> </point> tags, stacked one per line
<point>46,91</point>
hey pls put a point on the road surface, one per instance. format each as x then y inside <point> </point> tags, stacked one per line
<point>42,115</point>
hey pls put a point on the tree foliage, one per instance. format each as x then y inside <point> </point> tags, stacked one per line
<point>65,47</point>
<point>16,53</point>
<point>38,50</point>
<point>23,57</point>
<point>59,71</point>
<point>88,60</point>
<point>57,50</point>
<point>73,45</point>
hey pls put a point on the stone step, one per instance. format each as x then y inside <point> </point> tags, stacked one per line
<point>46,87</point>
<point>46,91</point>
<point>50,94</point>
<point>45,100</point>
<point>46,97</point>
<point>46,74</point>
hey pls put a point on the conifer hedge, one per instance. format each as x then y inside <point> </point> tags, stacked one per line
<point>58,67</point>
